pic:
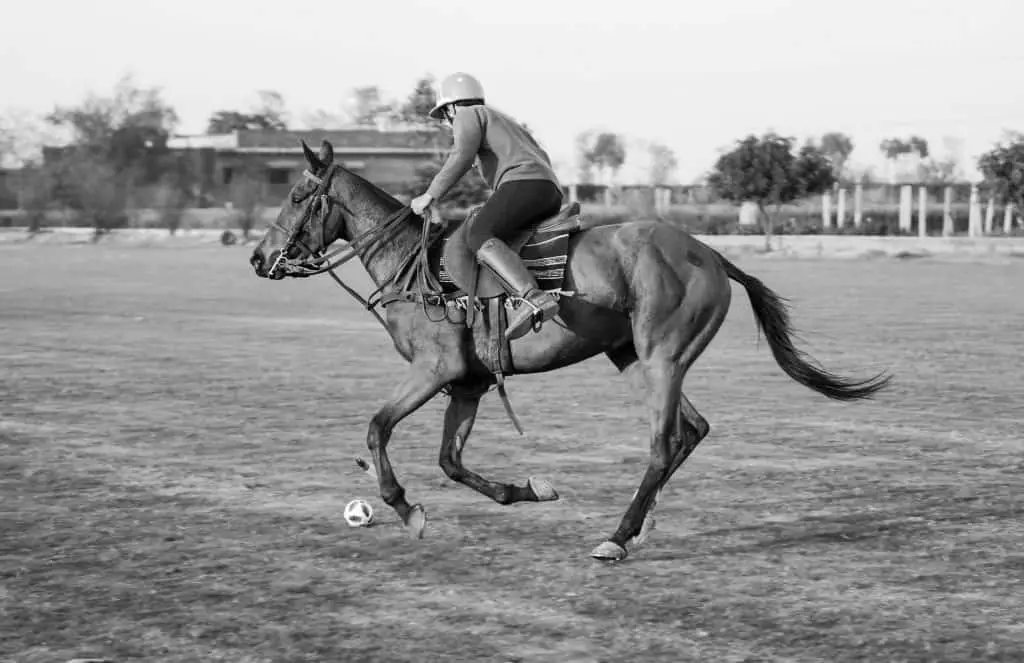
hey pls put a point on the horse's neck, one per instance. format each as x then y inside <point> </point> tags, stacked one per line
<point>368,210</point>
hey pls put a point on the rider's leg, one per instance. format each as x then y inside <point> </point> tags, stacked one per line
<point>512,207</point>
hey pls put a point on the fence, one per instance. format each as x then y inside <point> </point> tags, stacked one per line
<point>924,209</point>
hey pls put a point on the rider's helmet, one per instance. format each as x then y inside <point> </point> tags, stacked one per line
<point>456,87</point>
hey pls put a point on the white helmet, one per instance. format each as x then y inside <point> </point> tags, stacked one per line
<point>456,87</point>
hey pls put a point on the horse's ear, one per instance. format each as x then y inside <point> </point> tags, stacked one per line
<point>326,153</point>
<point>315,164</point>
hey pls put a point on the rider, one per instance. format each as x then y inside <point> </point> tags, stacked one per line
<point>525,190</point>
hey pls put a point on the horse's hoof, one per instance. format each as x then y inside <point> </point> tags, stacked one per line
<point>609,551</point>
<point>416,521</point>
<point>544,491</point>
<point>645,530</point>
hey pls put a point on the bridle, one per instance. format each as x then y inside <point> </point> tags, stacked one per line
<point>363,246</point>
<point>312,263</point>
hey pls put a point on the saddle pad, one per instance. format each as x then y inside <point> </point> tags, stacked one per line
<point>544,254</point>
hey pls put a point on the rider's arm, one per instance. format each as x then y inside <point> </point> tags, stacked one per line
<point>468,136</point>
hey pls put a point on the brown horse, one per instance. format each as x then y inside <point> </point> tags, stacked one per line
<point>645,293</point>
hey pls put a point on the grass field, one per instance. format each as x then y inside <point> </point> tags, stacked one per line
<point>177,440</point>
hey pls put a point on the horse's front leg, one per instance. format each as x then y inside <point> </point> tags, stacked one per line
<point>420,385</point>
<point>458,423</point>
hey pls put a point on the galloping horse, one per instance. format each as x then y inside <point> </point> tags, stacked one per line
<point>645,293</point>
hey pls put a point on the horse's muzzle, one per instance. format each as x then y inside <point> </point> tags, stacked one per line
<point>261,266</point>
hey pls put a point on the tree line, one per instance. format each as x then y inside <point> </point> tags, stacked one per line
<point>116,147</point>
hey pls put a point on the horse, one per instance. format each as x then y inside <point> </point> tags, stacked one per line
<point>647,294</point>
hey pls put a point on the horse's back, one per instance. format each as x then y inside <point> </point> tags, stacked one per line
<point>627,240</point>
<point>625,261</point>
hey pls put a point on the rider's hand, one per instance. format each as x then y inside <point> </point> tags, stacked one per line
<point>420,203</point>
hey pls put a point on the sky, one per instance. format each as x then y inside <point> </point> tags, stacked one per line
<point>694,76</point>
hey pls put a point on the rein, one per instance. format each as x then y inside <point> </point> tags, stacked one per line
<point>362,246</point>
<point>415,266</point>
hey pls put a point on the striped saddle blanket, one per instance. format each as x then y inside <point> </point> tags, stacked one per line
<point>544,254</point>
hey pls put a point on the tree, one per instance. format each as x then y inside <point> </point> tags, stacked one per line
<point>270,107</point>
<point>21,138</point>
<point>128,130</point>
<point>245,193</point>
<point>584,164</point>
<point>918,146</point>
<point>267,113</point>
<point>895,148</point>
<point>1003,169</point>
<point>366,106</point>
<point>604,151</point>
<point>415,110</point>
<point>663,163</point>
<point>766,171</point>
<point>608,154</point>
<point>35,189</point>
<point>117,142</point>
<point>95,188</point>
<point>837,147</point>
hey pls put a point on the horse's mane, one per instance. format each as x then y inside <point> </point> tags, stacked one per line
<point>385,198</point>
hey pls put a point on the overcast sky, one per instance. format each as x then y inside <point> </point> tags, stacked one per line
<point>695,76</point>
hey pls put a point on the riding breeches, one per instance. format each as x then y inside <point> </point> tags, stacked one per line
<point>512,207</point>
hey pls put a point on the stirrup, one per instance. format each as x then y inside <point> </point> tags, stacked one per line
<point>537,314</point>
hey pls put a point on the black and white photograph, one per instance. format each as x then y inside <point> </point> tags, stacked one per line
<point>524,332</point>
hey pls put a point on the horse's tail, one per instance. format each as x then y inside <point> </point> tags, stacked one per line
<point>772,314</point>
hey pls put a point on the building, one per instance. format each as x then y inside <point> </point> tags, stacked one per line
<point>389,159</point>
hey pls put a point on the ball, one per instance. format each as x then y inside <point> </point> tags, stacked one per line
<point>358,513</point>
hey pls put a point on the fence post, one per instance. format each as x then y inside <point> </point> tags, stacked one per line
<point>1008,219</point>
<point>607,196</point>
<point>974,214</point>
<point>906,207</point>
<point>947,212</point>
<point>841,209</point>
<point>826,209</point>
<point>990,214</point>
<point>922,211</point>
<point>574,194</point>
<point>858,204</point>
<point>664,199</point>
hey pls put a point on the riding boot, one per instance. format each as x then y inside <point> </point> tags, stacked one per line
<point>537,306</point>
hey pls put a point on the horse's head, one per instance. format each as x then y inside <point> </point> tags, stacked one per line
<point>309,220</point>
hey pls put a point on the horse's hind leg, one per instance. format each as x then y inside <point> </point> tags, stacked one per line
<point>666,343</point>
<point>663,380</point>
<point>691,428</point>
<point>458,423</point>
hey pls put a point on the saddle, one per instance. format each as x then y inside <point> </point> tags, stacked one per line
<point>461,264</point>
<point>543,247</point>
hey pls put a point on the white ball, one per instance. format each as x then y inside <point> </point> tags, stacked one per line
<point>358,513</point>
